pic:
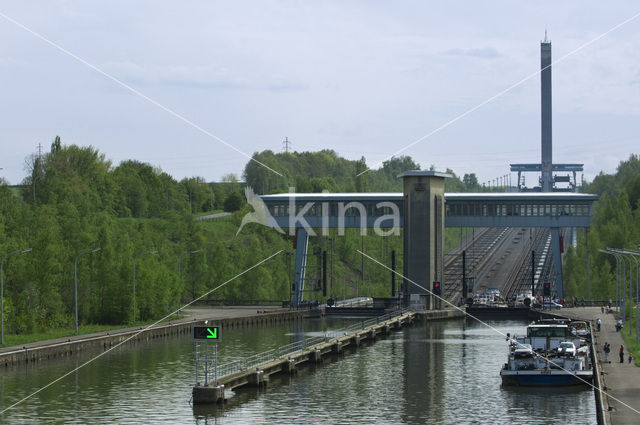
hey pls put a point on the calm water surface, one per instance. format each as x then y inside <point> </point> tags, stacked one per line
<point>436,373</point>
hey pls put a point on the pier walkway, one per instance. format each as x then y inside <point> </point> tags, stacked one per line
<point>621,381</point>
<point>255,370</point>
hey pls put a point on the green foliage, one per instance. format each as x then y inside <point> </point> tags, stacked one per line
<point>615,223</point>
<point>234,202</point>
<point>313,172</point>
<point>73,200</point>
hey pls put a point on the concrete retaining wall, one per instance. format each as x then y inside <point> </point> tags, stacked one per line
<point>103,341</point>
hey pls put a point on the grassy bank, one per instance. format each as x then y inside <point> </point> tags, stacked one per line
<point>630,340</point>
<point>19,340</point>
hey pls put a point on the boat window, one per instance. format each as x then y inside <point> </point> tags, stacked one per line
<point>547,332</point>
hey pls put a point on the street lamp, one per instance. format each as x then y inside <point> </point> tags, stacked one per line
<point>180,276</point>
<point>180,257</point>
<point>633,254</point>
<point>630,297</point>
<point>617,280</point>
<point>75,278</point>
<point>623,282</point>
<point>2,290</point>
<point>623,254</point>
<point>134,279</point>
<point>611,252</point>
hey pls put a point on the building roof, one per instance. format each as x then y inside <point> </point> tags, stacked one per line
<point>451,196</point>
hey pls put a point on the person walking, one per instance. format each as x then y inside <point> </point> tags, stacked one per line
<point>607,350</point>
<point>630,357</point>
<point>621,354</point>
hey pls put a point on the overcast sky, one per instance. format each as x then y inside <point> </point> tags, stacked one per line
<point>360,77</point>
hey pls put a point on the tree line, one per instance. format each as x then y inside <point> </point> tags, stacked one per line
<point>312,172</point>
<point>73,200</point>
<point>615,223</point>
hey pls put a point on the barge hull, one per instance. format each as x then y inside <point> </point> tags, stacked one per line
<point>536,379</point>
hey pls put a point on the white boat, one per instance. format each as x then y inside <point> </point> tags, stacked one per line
<point>550,355</point>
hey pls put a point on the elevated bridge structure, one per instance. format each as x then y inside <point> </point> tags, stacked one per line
<point>422,210</point>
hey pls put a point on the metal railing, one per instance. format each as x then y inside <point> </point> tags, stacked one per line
<point>254,360</point>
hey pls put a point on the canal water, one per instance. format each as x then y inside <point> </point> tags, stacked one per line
<point>442,372</point>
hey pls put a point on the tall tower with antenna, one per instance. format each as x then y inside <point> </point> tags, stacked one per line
<point>545,106</point>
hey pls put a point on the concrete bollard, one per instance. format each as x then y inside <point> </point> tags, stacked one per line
<point>372,334</point>
<point>256,379</point>
<point>355,340</point>
<point>290,366</point>
<point>316,355</point>
<point>208,394</point>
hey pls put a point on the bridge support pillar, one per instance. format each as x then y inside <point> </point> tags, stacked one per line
<point>423,193</point>
<point>557,260</point>
<point>302,243</point>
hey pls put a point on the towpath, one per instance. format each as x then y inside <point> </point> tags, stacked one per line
<point>621,380</point>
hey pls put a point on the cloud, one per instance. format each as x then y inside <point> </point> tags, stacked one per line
<point>198,76</point>
<point>483,53</point>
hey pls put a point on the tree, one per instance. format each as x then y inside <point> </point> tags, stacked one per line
<point>233,202</point>
<point>470,182</point>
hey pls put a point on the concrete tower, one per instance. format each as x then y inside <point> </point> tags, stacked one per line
<point>545,86</point>
<point>423,235</point>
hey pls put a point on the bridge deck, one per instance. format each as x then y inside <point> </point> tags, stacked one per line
<point>333,210</point>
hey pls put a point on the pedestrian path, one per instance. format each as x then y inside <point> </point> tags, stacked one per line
<point>621,381</point>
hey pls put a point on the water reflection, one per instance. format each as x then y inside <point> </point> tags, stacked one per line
<point>436,372</point>
<point>423,377</point>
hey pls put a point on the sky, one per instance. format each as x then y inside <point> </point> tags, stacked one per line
<point>210,82</point>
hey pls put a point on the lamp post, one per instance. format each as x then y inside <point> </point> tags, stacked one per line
<point>617,281</point>
<point>22,251</point>
<point>632,254</point>
<point>623,255</point>
<point>619,294</point>
<point>134,279</point>
<point>630,297</point>
<point>75,278</point>
<point>193,294</point>
<point>611,252</point>
<point>180,257</point>
<point>623,282</point>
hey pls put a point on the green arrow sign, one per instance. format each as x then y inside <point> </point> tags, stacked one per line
<point>208,333</point>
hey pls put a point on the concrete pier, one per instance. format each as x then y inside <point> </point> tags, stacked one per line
<point>258,375</point>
